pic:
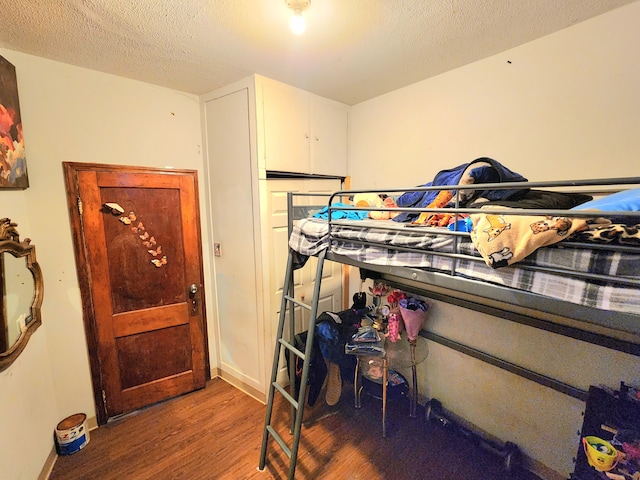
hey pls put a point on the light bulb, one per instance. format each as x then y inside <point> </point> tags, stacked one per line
<point>297,22</point>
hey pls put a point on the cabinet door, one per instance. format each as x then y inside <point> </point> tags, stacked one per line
<point>286,128</point>
<point>329,126</point>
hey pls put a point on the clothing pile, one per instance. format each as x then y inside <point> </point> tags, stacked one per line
<point>333,331</point>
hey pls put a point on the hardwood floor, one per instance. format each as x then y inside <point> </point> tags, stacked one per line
<point>216,433</point>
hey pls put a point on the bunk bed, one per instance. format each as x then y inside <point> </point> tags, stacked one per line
<point>589,273</point>
<point>561,256</point>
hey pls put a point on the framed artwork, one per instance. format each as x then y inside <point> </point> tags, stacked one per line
<point>13,162</point>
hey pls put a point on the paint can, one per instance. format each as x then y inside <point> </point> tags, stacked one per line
<point>72,434</point>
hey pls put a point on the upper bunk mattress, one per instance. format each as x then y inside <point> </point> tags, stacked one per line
<point>376,242</point>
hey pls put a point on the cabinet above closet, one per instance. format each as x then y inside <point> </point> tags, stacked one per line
<point>302,132</point>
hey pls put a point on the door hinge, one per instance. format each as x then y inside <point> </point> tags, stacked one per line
<point>79,205</point>
<point>104,398</point>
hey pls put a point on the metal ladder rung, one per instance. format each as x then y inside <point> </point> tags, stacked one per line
<point>286,395</point>
<point>278,439</point>
<point>297,302</point>
<point>288,346</point>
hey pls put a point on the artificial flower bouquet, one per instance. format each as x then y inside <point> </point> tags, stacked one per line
<point>414,314</point>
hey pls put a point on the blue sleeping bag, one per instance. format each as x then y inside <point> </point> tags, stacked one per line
<point>495,172</point>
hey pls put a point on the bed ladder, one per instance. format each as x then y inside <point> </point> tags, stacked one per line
<point>297,405</point>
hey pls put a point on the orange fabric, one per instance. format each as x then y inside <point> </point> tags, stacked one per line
<point>441,201</point>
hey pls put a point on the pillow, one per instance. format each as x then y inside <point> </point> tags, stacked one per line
<point>627,200</point>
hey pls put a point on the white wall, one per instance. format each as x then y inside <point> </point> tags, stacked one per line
<point>28,411</point>
<point>567,103</point>
<point>74,114</point>
<point>564,106</point>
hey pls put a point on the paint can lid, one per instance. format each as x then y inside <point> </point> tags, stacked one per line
<point>72,421</point>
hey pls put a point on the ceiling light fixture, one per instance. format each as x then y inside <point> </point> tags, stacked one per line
<point>297,22</point>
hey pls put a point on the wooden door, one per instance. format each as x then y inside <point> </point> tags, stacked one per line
<point>138,252</point>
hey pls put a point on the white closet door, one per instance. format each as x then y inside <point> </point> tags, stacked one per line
<point>331,287</point>
<point>304,278</point>
<point>239,322</point>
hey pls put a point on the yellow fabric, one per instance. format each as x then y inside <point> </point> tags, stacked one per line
<point>506,239</point>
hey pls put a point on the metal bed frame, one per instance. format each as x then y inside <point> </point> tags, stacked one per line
<point>611,329</point>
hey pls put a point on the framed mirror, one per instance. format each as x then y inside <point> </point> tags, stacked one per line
<point>21,291</point>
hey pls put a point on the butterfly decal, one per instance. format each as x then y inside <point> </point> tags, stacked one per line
<point>148,240</point>
<point>113,208</point>
<point>150,243</point>
<point>159,262</point>
<point>138,229</point>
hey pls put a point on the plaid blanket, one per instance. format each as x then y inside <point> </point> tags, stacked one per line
<point>310,236</point>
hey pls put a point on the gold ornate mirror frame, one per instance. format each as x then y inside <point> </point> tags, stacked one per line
<point>10,244</point>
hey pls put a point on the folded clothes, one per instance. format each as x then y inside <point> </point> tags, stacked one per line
<point>366,334</point>
<point>373,349</point>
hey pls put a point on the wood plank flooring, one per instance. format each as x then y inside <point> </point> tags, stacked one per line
<point>216,433</point>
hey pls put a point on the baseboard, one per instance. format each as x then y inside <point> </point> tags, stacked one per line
<point>541,470</point>
<point>92,423</point>
<point>240,385</point>
<point>47,468</point>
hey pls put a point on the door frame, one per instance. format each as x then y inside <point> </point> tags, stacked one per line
<point>74,206</point>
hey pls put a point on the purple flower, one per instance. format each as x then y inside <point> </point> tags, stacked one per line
<point>413,304</point>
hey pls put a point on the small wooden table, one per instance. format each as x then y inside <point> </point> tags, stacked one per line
<point>397,355</point>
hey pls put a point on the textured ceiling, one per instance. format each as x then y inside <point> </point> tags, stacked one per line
<point>353,50</point>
